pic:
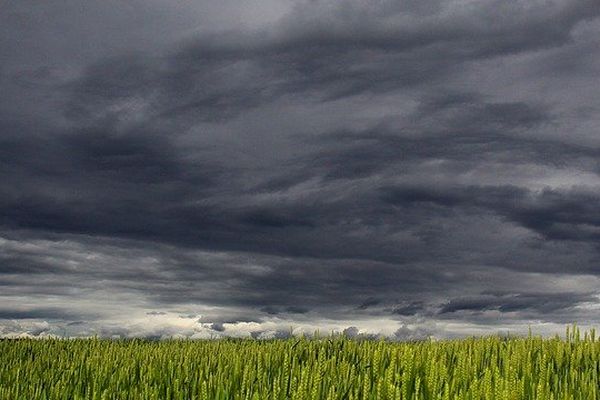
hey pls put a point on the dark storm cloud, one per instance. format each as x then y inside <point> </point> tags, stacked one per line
<point>410,308</point>
<point>368,303</point>
<point>154,197</point>
<point>542,303</point>
<point>335,51</point>
<point>355,162</point>
<point>42,313</point>
<point>555,215</point>
<point>217,77</point>
<point>467,134</point>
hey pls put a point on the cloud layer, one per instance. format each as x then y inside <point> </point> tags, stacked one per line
<point>414,169</point>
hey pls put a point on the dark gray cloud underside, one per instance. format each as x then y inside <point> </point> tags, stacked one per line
<point>418,162</point>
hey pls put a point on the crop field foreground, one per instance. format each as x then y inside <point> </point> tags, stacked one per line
<point>302,368</point>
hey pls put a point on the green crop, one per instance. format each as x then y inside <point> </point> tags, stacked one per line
<point>302,368</point>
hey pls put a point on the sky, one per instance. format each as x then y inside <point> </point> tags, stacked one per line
<point>261,168</point>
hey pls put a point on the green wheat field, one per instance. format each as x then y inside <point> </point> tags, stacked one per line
<point>302,368</point>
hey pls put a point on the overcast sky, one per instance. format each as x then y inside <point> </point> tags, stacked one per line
<point>247,167</point>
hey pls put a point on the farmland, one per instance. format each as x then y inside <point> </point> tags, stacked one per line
<point>302,368</point>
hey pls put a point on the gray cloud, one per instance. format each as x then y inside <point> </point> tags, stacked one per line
<point>544,303</point>
<point>41,313</point>
<point>405,333</point>
<point>414,169</point>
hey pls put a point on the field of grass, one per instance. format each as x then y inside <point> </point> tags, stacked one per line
<point>329,368</point>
